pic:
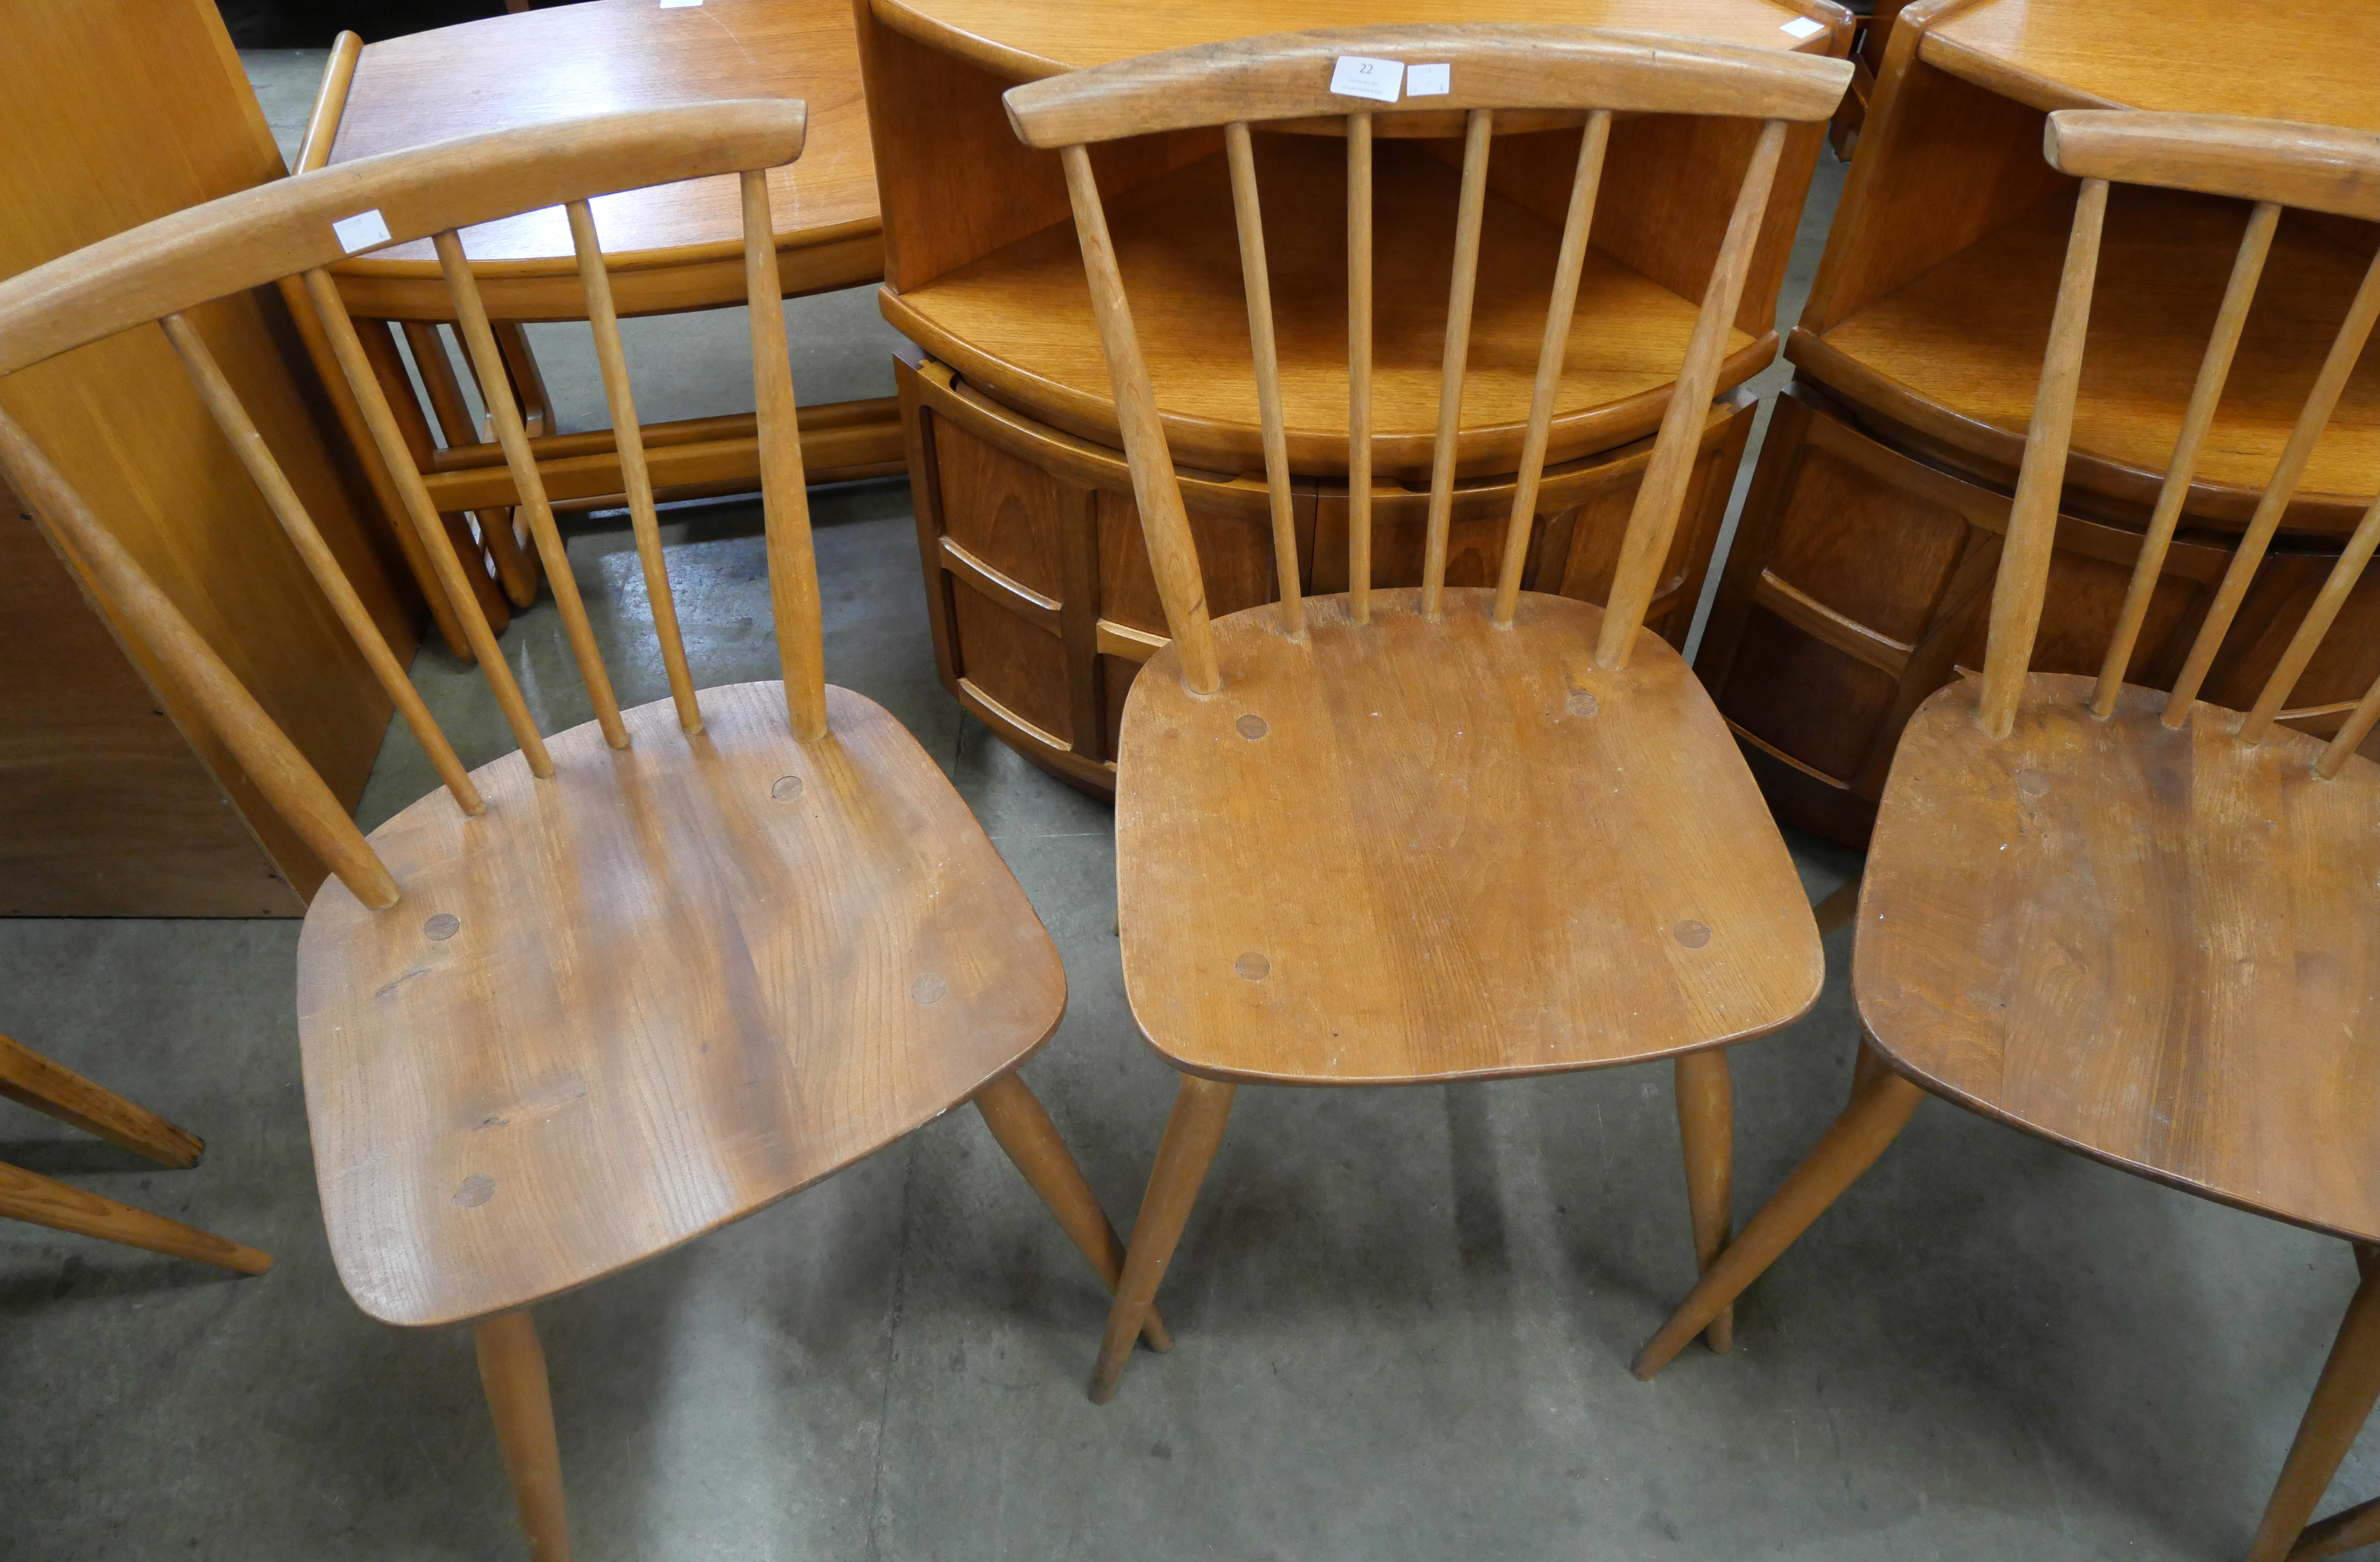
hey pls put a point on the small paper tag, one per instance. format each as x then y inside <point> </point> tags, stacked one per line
<point>1356,77</point>
<point>361,231</point>
<point>674,5</point>
<point>1428,81</point>
<point>1799,27</point>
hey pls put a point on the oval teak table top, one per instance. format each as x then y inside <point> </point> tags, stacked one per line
<point>1030,39</point>
<point>608,55</point>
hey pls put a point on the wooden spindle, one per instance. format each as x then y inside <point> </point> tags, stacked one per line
<point>1470,209</point>
<point>248,443</point>
<point>2316,624</point>
<point>2328,386</point>
<point>784,489</point>
<point>1249,216</point>
<point>349,350</point>
<point>2195,420</point>
<point>1567,265</point>
<point>2350,735</point>
<point>263,750</point>
<point>1172,553</point>
<point>635,478</point>
<point>1644,546</point>
<point>2032,514</point>
<point>496,393</point>
<point>1359,368</point>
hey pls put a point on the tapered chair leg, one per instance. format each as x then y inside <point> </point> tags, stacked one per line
<point>2343,1398</point>
<point>512,1369</point>
<point>2343,1530</point>
<point>1849,1148</point>
<point>1192,1134</point>
<point>31,1079</point>
<point>27,1196</point>
<point>1706,1127</point>
<point>1021,1125</point>
<point>1866,1068</point>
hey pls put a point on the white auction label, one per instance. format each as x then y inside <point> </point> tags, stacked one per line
<point>1428,81</point>
<point>1802,27</point>
<point>1356,77</point>
<point>674,5</point>
<point>361,231</point>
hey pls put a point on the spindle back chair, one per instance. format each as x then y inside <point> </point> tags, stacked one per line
<point>2137,923</point>
<point>1400,836</point>
<point>634,980</point>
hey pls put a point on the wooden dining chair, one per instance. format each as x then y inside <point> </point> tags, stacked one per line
<point>1398,836</point>
<point>31,1079</point>
<point>2140,926</point>
<point>635,981</point>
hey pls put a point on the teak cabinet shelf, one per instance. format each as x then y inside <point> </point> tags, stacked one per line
<point>1013,432</point>
<point>1861,572</point>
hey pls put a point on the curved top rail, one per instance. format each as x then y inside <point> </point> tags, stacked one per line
<point>1493,66</point>
<point>284,227</point>
<point>2320,167</point>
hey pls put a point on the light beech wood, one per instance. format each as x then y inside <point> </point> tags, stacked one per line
<point>2032,514</point>
<point>2206,393</point>
<point>1173,555</point>
<point>612,361</point>
<point>1248,215</point>
<point>1874,1119</point>
<point>1706,1128</point>
<point>27,1197</point>
<point>2318,168</point>
<point>1193,1133</point>
<point>437,544</point>
<point>1576,225</point>
<point>238,427</point>
<point>785,495</point>
<point>1337,854</point>
<point>1495,65</point>
<point>1471,206</point>
<point>503,413</point>
<point>517,570</point>
<point>1021,1127</point>
<point>512,1371</point>
<point>2343,1398</point>
<point>2316,624</point>
<point>1655,517</point>
<point>31,1079</point>
<point>2342,1531</point>
<point>1359,367</point>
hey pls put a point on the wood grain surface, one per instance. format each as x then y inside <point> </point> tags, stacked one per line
<point>2319,167</point>
<point>512,71</point>
<point>1491,64</point>
<point>1410,851</point>
<point>2153,945</point>
<point>1025,40</point>
<point>2217,56</point>
<point>673,984</point>
<point>1956,353</point>
<point>1018,322</point>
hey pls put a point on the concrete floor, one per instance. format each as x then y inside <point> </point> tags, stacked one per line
<point>1406,1316</point>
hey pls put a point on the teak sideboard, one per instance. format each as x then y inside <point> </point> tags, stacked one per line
<point>1859,576</point>
<point>1043,602</point>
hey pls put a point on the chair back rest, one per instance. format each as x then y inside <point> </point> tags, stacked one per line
<point>2273,165</point>
<point>298,227</point>
<point>1537,76</point>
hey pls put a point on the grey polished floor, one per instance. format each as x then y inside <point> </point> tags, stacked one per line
<point>1405,1316</point>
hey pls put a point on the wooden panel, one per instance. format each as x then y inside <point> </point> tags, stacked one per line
<point>1235,555</point>
<point>87,86</point>
<point>1887,569</point>
<point>1805,698</point>
<point>105,811</point>
<point>1014,662</point>
<point>1000,509</point>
